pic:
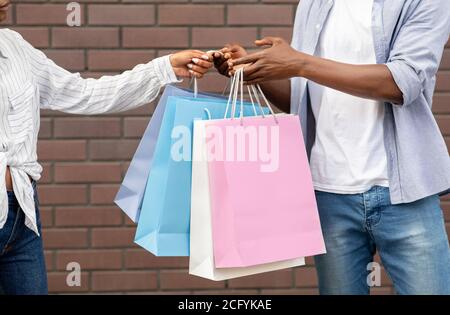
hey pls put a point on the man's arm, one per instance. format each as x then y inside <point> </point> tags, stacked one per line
<point>413,59</point>
<point>281,61</point>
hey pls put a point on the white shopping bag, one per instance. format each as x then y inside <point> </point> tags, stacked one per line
<point>201,261</point>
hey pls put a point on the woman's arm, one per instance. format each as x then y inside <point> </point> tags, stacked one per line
<point>69,92</point>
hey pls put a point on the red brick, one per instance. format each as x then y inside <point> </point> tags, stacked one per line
<point>65,238</point>
<point>444,124</point>
<point>180,280</point>
<point>36,36</point>
<point>305,277</point>
<point>441,103</point>
<point>443,81</point>
<point>174,14</point>
<point>62,194</point>
<point>80,37</point>
<point>148,37</point>
<point>43,14</point>
<point>117,60</point>
<point>103,194</point>
<point>134,127</point>
<point>124,281</point>
<point>60,150</point>
<point>88,216</point>
<point>45,130</point>
<point>251,14</point>
<point>87,127</point>
<point>113,237</point>
<point>217,37</point>
<point>141,259</point>
<point>46,215</point>
<point>283,32</point>
<point>72,60</point>
<point>445,63</point>
<point>112,149</point>
<point>84,173</point>
<point>49,260</point>
<point>57,283</point>
<point>276,279</point>
<point>47,173</point>
<point>115,14</point>
<point>90,259</point>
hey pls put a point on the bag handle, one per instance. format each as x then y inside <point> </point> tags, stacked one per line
<point>194,83</point>
<point>255,90</point>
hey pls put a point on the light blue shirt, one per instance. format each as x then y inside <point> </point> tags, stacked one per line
<point>409,37</point>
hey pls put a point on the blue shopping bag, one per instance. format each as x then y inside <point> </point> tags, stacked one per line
<point>131,192</point>
<point>163,227</point>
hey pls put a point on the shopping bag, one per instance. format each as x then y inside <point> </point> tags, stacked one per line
<point>201,261</point>
<point>131,192</point>
<point>163,227</point>
<point>262,197</point>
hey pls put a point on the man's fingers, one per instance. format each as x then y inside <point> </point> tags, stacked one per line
<point>268,41</point>
<point>244,60</point>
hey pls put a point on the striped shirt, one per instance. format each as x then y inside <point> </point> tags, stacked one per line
<point>29,81</point>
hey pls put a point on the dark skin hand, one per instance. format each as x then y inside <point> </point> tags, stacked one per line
<point>278,92</point>
<point>280,61</point>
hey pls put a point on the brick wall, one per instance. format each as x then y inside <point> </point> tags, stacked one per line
<point>85,159</point>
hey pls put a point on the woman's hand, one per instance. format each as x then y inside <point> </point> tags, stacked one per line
<point>189,63</point>
<point>229,52</point>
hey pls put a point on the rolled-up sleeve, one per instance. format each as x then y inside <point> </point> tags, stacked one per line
<point>417,47</point>
<point>69,92</point>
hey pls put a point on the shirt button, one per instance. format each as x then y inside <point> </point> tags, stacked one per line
<point>318,26</point>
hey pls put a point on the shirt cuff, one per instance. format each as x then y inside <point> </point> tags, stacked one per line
<point>164,70</point>
<point>406,80</point>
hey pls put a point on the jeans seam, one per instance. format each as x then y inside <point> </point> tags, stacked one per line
<point>13,232</point>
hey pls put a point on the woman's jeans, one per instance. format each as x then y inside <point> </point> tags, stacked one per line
<point>410,238</point>
<point>22,264</point>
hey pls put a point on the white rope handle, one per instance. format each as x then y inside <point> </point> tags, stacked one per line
<point>267,103</point>
<point>233,79</point>
<point>194,83</point>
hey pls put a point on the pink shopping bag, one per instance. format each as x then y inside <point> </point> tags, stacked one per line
<point>263,203</point>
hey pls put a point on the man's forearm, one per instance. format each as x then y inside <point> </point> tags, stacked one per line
<point>366,81</point>
<point>278,93</point>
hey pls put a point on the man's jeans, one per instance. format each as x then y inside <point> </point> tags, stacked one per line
<point>22,264</point>
<point>410,239</point>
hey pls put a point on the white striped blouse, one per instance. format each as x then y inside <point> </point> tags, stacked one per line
<point>29,81</point>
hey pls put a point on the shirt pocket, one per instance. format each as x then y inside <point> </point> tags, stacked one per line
<point>20,116</point>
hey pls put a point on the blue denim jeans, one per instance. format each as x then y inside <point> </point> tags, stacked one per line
<point>22,264</point>
<point>410,238</point>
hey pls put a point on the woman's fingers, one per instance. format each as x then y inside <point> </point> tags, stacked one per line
<point>202,63</point>
<point>197,69</point>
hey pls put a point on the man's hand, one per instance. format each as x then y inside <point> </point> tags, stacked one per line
<point>229,52</point>
<point>279,61</point>
<point>189,63</point>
